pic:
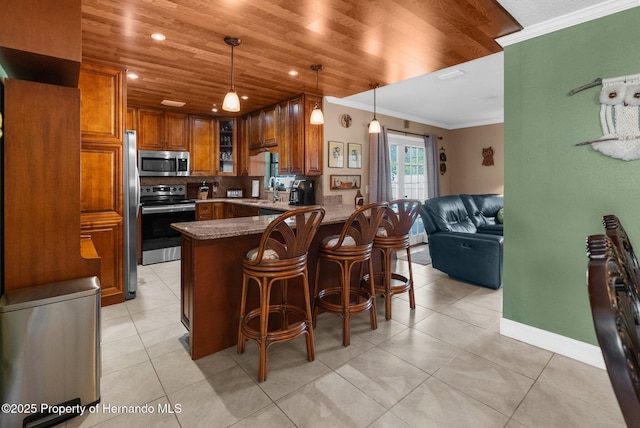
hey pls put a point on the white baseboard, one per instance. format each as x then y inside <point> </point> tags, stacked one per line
<point>581,351</point>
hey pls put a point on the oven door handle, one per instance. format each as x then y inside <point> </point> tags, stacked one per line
<point>168,209</point>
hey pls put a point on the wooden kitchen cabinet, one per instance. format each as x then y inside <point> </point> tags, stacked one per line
<point>41,41</point>
<point>204,211</point>
<point>313,141</point>
<point>202,136</point>
<point>131,119</point>
<point>292,144</point>
<point>262,128</point>
<point>213,146</point>
<point>162,130</point>
<point>101,158</point>
<point>242,138</point>
<point>210,211</point>
<point>41,181</point>
<point>227,153</point>
<point>300,143</point>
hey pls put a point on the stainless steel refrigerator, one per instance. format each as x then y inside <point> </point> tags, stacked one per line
<point>131,208</point>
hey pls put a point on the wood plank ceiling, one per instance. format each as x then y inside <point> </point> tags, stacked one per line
<point>359,42</point>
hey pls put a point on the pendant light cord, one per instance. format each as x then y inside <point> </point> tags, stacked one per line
<point>232,69</point>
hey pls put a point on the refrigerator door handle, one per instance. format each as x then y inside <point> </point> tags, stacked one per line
<point>137,192</point>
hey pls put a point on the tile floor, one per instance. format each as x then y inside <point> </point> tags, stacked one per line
<point>442,365</point>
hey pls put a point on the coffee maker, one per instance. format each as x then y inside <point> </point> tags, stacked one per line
<point>302,193</point>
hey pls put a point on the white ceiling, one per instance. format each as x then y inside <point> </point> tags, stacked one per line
<point>472,99</point>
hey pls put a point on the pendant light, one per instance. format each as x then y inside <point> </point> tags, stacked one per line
<point>374,125</point>
<point>231,101</point>
<point>317,118</point>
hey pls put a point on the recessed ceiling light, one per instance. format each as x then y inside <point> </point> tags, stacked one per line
<point>451,74</point>
<point>172,103</point>
<point>158,36</point>
<point>215,108</point>
<point>244,97</point>
<point>293,73</point>
<point>132,76</point>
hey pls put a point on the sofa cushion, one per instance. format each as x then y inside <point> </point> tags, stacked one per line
<point>446,214</point>
<point>483,209</point>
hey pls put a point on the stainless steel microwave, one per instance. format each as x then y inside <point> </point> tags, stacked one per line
<point>163,163</point>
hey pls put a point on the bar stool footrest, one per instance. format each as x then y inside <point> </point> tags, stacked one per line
<point>292,331</point>
<point>354,307</point>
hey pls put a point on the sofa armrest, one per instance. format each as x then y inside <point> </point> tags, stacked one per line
<point>470,257</point>
<point>491,229</point>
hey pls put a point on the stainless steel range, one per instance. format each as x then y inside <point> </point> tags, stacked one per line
<point>161,206</point>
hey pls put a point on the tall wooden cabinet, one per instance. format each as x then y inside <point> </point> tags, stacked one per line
<point>102,113</point>
<point>42,240</point>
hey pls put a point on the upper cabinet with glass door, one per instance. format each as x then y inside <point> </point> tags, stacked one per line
<point>227,147</point>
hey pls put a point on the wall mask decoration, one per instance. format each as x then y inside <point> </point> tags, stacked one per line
<point>443,160</point>
<point>487,156</point>
<point>619,117</point>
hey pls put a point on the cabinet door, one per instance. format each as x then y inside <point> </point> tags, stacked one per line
<point>219,211</point>
<point>313,142</point>
<point>255,133</point>
<point>176,131</point>
<point>131,120</point>
<point>242,138</point>
<point>227,153</point>
<point>150,129</point>
<point>204,211</point>
<point>296,146</point>
<point>269,122</point>
<point>201,145</point>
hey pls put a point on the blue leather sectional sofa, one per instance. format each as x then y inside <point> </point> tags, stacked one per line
<point>465,238</point>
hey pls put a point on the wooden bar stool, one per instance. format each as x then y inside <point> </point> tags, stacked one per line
<point>393,236</point>
<point>352,246</point>
<point>280,256</point>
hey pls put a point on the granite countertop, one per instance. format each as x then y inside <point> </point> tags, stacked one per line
<point>252,202</point>
<point>230,227</point>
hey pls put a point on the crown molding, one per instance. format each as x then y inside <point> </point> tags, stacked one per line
<point>569,20</point>
<point>498,117</point>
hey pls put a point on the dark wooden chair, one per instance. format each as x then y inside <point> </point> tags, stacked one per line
<point>353,246</point>
<point>280,256</point>
<point>614,306</point>
<point>393,236</point>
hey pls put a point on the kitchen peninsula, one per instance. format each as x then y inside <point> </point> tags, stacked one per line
<point>211,271</point>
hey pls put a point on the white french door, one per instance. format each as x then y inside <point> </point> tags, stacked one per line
<point>408,176</point>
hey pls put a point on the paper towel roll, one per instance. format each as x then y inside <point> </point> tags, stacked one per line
<point>255,188</point>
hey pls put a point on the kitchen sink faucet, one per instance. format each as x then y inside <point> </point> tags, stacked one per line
<point>274,187</point>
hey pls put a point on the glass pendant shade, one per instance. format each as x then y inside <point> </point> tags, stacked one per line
<point>317,118</point>
<point>374,126</point>
<point>231,102</point>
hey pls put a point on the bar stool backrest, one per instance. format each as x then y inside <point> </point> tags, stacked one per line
<point>400,216</point>
<point>289,235</point>
<point>363,224</point>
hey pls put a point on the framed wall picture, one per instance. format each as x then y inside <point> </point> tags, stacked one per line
<point>354,151</point>
<point>345,182</point>
<point>336,154</point>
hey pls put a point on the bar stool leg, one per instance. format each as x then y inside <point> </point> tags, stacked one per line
<point>311,352</point>
<point>387,253</point>
<point>412,298</point>
<point>243,306</point>
<point>265,289</point>
<point>372,292</point>
<point>346,294</point>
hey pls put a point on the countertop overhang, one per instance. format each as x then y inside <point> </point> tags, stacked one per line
<point>232,227</point>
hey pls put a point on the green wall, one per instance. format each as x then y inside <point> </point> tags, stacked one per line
<point>555,193</point>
